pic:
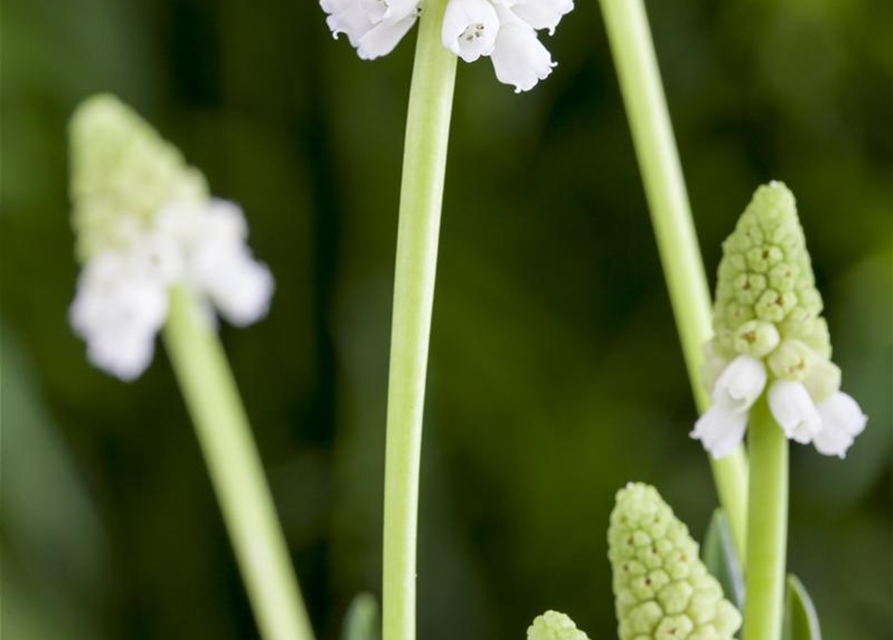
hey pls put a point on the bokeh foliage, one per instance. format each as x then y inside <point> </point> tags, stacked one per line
<point>555,372</point>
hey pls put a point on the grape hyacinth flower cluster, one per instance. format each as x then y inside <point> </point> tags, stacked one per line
<point>553,625</point>
<point>662,589</point>
<point>145,222</point>
<point>770,335</point>
<point>504,30</point>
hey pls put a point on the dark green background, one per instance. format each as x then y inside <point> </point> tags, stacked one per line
<point>555,373</point>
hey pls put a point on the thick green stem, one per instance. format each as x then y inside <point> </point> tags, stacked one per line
<point>236,473</point>
<point>646,106</point>
<point>424,165</point>
<point>768,528</point>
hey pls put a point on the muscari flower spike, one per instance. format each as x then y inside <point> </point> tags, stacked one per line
<point>662,589</point>
<point>770,337</point>
<point>503,30</point>
<point>145,222</point>
<point>553,625</point>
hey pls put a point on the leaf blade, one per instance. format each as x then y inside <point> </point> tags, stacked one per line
<point>801,618</point>
<point>721,558</point>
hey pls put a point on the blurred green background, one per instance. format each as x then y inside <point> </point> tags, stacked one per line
<point>555,373</point>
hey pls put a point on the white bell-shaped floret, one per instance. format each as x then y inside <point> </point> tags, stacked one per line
<point>720,430</point>
<point>842,421</point>
<point>740,384</point>
<point>794,410</point>
<point>470,28</point>
<point>542,14</point>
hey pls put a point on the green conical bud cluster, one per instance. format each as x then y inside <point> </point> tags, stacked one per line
<point>553,625</point>
<point>123,174</point>
<point>662,589</point>
<point>767,305</point>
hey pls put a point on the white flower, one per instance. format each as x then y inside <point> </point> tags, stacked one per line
<point>381,39</point>
<point>158,256</point>
<point>720,430</point>
<point>348,17</point>
<point>379,10</point>
<point>238,285</point>
<point>119,307</point>
<point>542,14</point>
<point>794,410</point>
<point>122,296</point>
<point>842,421</point>
<point>122,351</point>
<point>505,30</point>
<point>519,58</point>
<point>373,27</point>
<point>470,28</point>
<point>740,384</point>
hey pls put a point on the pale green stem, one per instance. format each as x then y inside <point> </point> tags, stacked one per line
<point>646,106</point>
<point>236,472</point>
<point>424,165</point>
<point>768,528</point>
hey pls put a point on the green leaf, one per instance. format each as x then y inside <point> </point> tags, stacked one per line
<point>721,558</point>
<point>801,622</point>
<point>361,622</point>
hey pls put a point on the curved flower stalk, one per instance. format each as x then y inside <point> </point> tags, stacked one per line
<point>159,253</point>
<point>503,30</point>
<point>553,625</point>
<point>770,337</point>
<point>662,589</point>
<point>629,35</point>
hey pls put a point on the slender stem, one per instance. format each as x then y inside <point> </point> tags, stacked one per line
<point>424,165</point>
<point>236,473</point>
<point>767,533</point>
<point>646,106</point>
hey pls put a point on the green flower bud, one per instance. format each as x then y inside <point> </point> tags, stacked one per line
<point>553,625</point>
<point>123,174</point>
<point>793,361</point>
<point>662,589</point>
<point>756,338</point>
<point>824,381</point>
<point>765,292</point>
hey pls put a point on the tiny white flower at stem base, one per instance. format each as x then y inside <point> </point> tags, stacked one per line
<point>470,28</point>
<point>842,421</point>
<point>720,430</point>
<point>740,384</point>
<point>794,411</point>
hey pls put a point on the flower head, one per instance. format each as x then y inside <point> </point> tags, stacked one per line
<point>662,589</point>
<point>553,625</point>
<point>769,334</point>
<point>504,30</point>
<point>145,222</point>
